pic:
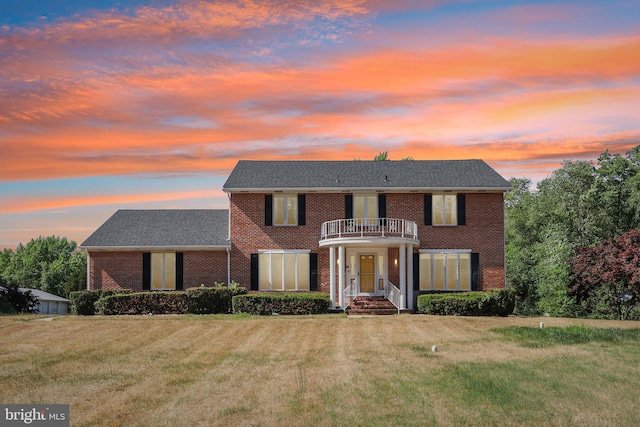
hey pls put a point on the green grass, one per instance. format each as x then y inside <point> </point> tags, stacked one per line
<point>570,335</point>
<point>324,370</point>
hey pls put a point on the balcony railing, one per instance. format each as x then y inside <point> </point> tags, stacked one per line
<point>369,227</point>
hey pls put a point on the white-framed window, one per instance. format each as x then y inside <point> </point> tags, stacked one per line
<point>283,270</point>
<point>365,206</point>
<point>163,271</point>
<point>285,209</point>
<point>445,271</point>
<point>444,209</point>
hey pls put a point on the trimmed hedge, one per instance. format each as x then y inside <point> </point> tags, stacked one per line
<point>83,302</point>
<point>144,303</point>
<point>282,303</point>
<point>492,303</point>
<point>212,300</point>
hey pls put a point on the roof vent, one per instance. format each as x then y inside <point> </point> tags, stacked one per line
<point>386,178</point>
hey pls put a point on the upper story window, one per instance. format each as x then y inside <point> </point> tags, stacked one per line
<point>444,209</point>
<point>365,207</point>
<point>284,209</point>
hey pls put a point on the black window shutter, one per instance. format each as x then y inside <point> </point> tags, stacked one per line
<point>462,210</point>
<point>416,271</point>
<point>428,208</point>
<point>146,271</point>
<point>475,272</point>
<point>268,209</point>
<point>348,206</point>
<point>179,271</point>
<point>254,272</point>
<point>382,205</point>
<point>313,271</point>
<point>302,209</point>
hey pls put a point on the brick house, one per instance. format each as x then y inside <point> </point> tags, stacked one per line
<point>347,228</point>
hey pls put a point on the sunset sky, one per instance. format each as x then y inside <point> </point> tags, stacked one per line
<point>143,104</point>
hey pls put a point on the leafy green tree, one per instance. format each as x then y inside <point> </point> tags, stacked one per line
<point>51,264</point>
<point>580,204</point>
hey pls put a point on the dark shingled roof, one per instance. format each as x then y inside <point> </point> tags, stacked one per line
<point>162,228</point>
<point>356,174</point>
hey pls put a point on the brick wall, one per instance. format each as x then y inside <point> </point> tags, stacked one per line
<point>123,270</point>
<point>204,268</point>
<point>116,270</point>
<point>483,232</point>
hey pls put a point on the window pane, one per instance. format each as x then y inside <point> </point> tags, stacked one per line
<point>425,272</point>
<point>276,271</point>
<point>278,210</point>
<point>438,271</point>
<point>303,272</point>
<point>450,209</point>
<point>292,209</point>
<point>264,271</point>
<point>452,272</point>
<point>157,268</point>
<point>438,208</point>
<point>170,271</point>
<point>372,207</point>
<point>358,206</point>
<point>465,272</point>
<point>290,272</point>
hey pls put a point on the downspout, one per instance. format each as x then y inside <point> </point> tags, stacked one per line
<point>88,271</point>
<point>228,267</point>
<point>504,238</point>
<point>229,240</point>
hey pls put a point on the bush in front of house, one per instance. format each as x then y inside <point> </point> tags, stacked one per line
<point>83,302</point>
<point>282,303</point>
<point>492,303</point>
<point>144,303</point>
<point>213,300</point>
<point>13,300</point>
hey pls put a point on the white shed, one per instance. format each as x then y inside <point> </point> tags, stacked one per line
<point>49,303</point>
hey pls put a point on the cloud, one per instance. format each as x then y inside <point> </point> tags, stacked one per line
<point>28,204</point>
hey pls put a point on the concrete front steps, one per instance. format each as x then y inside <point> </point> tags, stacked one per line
<point>367,306</point>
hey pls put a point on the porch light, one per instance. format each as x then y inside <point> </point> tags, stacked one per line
<point>395,261</point>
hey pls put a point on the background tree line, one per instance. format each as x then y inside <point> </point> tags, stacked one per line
<point>52,264</point>
<point>583,204</point>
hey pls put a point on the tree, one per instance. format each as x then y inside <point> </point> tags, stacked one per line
<point>606,277</point>
<point>382,156</point>
<point>51,264</point>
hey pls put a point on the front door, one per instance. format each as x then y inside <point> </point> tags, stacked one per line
<point>368,274</point>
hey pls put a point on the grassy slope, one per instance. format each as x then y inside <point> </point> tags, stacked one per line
<point>320,370</point>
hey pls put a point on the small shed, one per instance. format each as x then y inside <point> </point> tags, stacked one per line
<point>49,303</point>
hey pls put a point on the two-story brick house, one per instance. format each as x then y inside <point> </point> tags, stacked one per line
<point>347,228</point>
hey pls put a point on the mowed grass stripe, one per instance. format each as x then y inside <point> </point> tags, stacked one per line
<point>317,370</point>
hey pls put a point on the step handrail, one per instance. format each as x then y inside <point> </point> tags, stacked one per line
<point>392,293</point>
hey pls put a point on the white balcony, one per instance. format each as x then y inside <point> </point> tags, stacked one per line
<point>354,230</point>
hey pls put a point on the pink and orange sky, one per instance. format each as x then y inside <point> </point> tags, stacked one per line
<point>142,104</point>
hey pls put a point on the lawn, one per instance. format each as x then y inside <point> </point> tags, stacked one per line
<point>323,370</point>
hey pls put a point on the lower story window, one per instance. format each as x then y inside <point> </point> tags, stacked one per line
<point>163,271</point>
<point>445,271</point>
<point>283,271</point>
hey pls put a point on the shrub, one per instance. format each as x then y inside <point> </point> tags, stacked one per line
<point>144,303</point>
<point>493,303</point>
<point>83,302</point>
<point>212,300</point>
<point>13,300</point>
<point>281,303</point>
